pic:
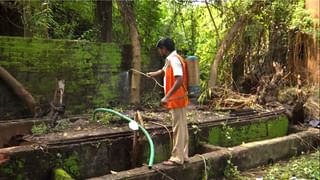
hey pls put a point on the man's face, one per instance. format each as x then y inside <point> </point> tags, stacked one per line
<point>163,52</point>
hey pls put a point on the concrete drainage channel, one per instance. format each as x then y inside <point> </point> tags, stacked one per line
<point>244,156</point>
<point>97,153</point>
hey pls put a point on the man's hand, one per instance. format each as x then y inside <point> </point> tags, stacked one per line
<point>151,74</point>
<point>164,100</point>
<point>155,73</point>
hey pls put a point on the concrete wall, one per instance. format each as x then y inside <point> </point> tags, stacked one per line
<point>232,135</point>
<point>216,162</point>
<point>81,160</point>
<point>90,156</point>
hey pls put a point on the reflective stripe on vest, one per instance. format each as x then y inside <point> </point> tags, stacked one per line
<point>180,98</point>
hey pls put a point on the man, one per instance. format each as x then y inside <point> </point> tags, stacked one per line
<point>175,99</point>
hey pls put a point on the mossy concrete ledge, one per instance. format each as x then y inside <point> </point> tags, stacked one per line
<point>244,156</point>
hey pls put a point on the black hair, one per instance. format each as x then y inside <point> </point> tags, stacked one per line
<point>167,43</point>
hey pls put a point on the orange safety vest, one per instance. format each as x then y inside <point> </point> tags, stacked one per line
<point>179,99</point>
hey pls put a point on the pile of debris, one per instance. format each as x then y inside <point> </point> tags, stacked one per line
<point>302,103</point>
<point>225,99</point>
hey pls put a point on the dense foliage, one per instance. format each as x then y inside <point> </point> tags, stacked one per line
<point>198,27</point>
<point>263,39</point>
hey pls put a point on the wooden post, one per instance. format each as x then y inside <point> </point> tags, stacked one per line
<point>136,141</point>
<point>57,106</point>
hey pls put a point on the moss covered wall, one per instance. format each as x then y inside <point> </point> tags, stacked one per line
<point>231,135</point>
<point>98,157</point>
<point>90,70</point>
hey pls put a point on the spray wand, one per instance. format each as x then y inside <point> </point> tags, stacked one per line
<point>139,72</point>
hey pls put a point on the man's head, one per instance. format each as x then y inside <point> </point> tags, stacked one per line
<point>165,46</point>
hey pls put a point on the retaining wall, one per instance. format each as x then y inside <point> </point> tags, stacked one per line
<point>244,156</point>
<point>94,73</point>
<point>95,153</point>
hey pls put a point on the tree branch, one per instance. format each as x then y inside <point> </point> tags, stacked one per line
<point>214,23</point>
<point>19,90</point>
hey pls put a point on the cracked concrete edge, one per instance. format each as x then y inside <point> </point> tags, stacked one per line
<point>244,156</point>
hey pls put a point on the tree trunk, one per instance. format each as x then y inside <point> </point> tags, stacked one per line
<point>129,17</point>
<point>19,90</point>
<point>238,26</point>
<point>104,20</point>
<point>27,31</point>
<point>225,45</point>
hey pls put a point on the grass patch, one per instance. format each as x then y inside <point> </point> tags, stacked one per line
<point>305,166</point>
<point>39,129</point>
<point>105,118</point>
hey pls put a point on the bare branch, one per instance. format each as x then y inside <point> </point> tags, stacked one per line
<point>214,23</point>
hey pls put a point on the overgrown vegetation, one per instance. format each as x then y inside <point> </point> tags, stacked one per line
<point>70,163</point>
<point>43,128</point>
<point>61,125</point>
<point>39,129</point>
<point>106,118</point>
<point>303,167</point>
<point>198,28</point>
<point>231,171</point>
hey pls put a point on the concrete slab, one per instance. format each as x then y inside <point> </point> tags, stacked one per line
<point>244,156</point>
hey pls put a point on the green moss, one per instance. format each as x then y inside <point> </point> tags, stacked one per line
<point>246,133</point>
<point>278,128</point>
<point>105,94</point>
<point>231,135</point>
<point>162,152</point>
<point>214,136</point>
<point>60,174</point>
<point>88,69</point>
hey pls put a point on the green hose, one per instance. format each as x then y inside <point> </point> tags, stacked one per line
<point>151,156</point>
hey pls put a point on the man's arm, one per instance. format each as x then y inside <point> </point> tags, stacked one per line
<point>155,73</point>
<point>176,86</point>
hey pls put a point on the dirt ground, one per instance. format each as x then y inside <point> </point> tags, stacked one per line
<point>106,123</point>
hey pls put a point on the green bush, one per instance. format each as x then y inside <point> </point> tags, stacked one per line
<point>39,129</point>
